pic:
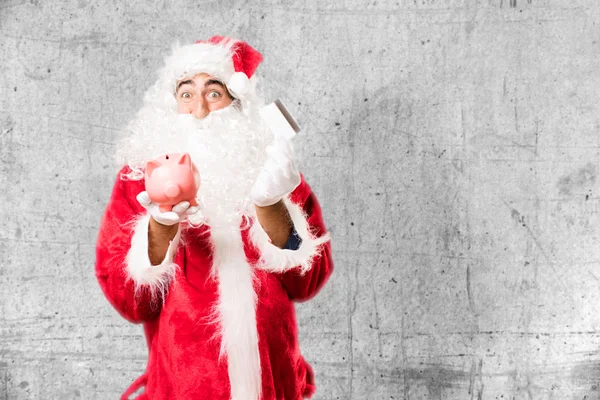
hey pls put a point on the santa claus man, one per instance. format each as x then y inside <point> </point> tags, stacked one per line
<point>214,285</point>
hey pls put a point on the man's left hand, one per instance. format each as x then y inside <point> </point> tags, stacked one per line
<point>278,177</point>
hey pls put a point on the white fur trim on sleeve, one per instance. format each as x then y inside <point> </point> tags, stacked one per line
<point>274,259</point>
<point>139,268</point>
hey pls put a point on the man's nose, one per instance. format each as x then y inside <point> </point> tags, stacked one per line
<point>200,109</point>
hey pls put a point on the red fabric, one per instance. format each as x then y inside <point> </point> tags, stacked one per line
<point>245,58</point>
<point>135,386</point>
<point>183,346</point>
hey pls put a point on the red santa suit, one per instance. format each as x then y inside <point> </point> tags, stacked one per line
<point>176,300</point>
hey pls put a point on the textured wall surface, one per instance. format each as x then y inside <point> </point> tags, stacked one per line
<point>454,146</point>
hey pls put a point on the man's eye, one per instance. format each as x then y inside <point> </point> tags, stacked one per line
<point>214,94</point>
<point>186,95</point>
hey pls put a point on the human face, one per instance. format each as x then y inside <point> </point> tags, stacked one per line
<point>200,95</point>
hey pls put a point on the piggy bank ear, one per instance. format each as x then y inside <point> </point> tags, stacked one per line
<point>151,166</point>
<point>185,159</point>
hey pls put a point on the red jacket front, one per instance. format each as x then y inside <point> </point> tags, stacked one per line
<point>183,344</point>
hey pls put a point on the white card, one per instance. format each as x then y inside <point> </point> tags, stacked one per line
<point>279,120</point>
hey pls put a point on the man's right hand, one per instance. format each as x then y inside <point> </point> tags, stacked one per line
<point>179,212</point>
<point>163,226</point>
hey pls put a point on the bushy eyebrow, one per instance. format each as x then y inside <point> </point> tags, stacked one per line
<point>188,82</point>
<point>206,84</point>
<point>213,82</point>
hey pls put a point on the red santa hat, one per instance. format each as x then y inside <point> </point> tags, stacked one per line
<point>230,60</point>
<point>245,60</point>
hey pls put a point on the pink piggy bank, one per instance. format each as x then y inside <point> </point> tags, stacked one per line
<point>172,178</point>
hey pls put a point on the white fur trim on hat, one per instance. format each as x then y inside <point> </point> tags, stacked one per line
<point>274,259</point>
<point>140,269</point>
<point>187,61</point>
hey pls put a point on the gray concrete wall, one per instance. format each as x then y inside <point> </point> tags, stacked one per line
<point>453,145</point>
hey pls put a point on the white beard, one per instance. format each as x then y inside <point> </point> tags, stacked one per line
<point>228,147</point>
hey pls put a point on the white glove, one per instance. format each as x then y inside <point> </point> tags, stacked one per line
<point>278,177</point>
<point>179,212</point>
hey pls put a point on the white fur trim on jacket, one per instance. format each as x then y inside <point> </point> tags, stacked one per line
<point>139,267</point>
<point>274,259</point>
<point>237,313</point>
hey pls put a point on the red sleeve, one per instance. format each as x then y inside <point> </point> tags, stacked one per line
<point>304,287</point>
<point>112,246</point>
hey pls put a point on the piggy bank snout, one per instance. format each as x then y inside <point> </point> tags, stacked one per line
<point>172,190</point>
